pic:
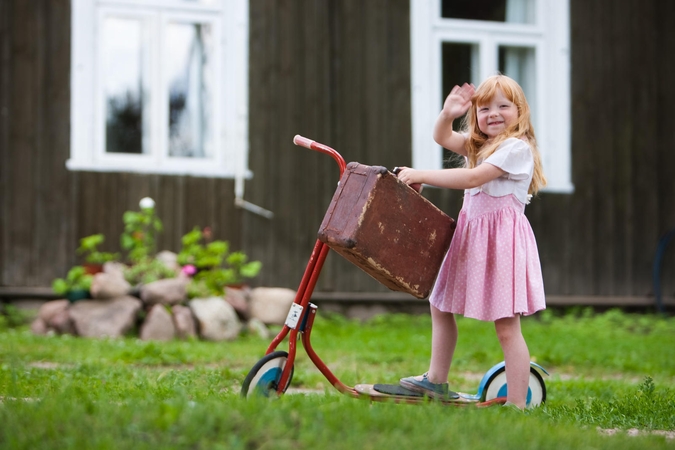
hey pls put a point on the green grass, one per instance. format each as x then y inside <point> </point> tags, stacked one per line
<point>612,370</point>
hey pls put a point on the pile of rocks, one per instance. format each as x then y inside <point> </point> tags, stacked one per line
<point>161,311</point>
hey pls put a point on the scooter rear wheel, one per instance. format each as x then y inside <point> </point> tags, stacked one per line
<point>496,387</point>
<point>264,377</point>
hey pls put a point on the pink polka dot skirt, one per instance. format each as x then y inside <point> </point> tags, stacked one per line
<point>492,268</point>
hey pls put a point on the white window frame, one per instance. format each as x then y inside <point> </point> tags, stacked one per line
<point>229,114</point>
<point>549,36</point>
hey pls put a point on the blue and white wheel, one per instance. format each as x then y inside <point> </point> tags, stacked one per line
<point>494,385</point>
<point>264,377</point>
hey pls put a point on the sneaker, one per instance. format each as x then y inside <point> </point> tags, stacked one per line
<point>437,391</point>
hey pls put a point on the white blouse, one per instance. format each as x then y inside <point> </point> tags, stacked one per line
<point>514,157</point>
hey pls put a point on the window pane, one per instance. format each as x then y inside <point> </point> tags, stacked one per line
<point>513,11</point>
<point>459,64</point>
<point>123,79</point>
<point>519,64</point>
<point>189,67</point>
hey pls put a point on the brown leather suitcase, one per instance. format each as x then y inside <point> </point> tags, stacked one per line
<point>387,229</point>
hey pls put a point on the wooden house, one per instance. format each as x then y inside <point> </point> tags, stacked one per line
<point>363,77</point>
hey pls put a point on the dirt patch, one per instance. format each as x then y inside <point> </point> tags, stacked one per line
<point>46,365</point>
<point>635,432</point>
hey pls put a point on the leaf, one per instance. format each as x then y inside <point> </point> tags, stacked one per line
<point>251,269</point>
<point>218,247</point>
<point>75,273</point>
<point>59,286</point>
<point>126,241</point>
<point>131,218</point>
<point>191,238</point>
<point>236,259</point>
<point>89,243</point>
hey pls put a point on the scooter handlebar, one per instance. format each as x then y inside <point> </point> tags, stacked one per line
<point>303,141</point>
<point>313,145</point>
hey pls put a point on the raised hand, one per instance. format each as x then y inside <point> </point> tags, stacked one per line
<point>458,101</point>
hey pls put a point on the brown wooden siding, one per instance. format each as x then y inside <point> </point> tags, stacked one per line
<point>339,72</point>
<point>622,163</point>
<point>35,190</point>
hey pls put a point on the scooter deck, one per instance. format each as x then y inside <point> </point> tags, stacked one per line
<point>400,394</point>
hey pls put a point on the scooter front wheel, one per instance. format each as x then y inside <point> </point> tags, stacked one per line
<point>264,377</point>
<point>496,387</point>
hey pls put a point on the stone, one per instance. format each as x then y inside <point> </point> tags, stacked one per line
<point>271,305</point>
<point>105,318</point>
<point>53,317</point>
<point>216,319</point>
<point>109,285</point>
<point>170,291</point>
<point>62,323</point>
<point>50,309</point>
<point>184,322</point>
<point>158,325</point>
<point>239,299</point>
<point>114,268</point>
<point>39,327</point>
<point>256,327</point>
<point>169,259</point>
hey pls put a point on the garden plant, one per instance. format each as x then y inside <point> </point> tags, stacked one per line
<point>211,261</point>
<point>215,268</point>
<point>89,249</point>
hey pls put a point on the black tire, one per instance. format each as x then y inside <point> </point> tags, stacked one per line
<point>263,379</point>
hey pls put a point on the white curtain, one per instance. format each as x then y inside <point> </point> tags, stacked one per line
<point>520,11</point>
<point>190,134</point>
<point>519,64</point>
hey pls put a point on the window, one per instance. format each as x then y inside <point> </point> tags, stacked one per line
<point>160,86</point>
<point>454,41</point>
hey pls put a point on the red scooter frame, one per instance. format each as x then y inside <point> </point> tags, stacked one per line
<point>301,318</point>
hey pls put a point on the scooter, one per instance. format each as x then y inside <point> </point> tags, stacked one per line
<point>271,375</point>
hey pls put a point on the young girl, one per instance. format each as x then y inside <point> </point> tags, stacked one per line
<point>491,271</point>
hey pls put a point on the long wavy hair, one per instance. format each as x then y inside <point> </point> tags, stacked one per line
<point>479,146</point>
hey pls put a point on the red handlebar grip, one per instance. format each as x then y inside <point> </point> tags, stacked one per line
<point>302,141</point>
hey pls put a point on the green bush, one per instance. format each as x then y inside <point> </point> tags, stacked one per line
<point>215,267</point>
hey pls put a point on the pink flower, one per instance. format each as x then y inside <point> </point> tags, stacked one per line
<point>189,270</point>
<point>207,233</point>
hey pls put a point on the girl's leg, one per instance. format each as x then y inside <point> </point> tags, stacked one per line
<point>443,343</point>
<point>516,357</point>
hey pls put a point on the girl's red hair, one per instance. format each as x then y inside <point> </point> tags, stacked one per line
<point>479,147</point>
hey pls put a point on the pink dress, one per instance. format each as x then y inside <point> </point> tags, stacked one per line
<point>492,268</point>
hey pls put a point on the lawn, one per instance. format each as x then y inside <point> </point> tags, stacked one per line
<point>612,376</point>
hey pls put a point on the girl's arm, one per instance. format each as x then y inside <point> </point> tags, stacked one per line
<point>446,137</point>
<point>456,105</point>
<point>452,178</point>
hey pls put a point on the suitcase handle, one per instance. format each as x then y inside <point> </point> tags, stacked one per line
<point>415,186</point>
<point>301,141</point>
